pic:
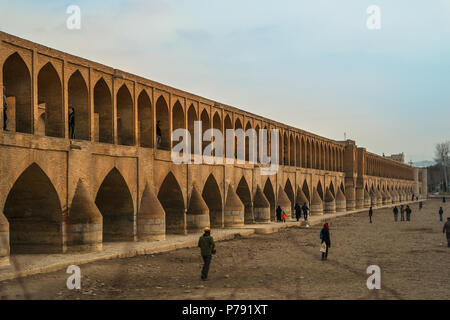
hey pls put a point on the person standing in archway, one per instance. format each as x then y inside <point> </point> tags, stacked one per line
<point>279,213</point>
<point>207,249</point>
<point>5,111</point>
<point>158,135</point>
<point>71,123</point>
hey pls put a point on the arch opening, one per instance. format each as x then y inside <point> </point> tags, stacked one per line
<point>115,203</point>
<point>79,101</point>
<point>17,82</point>
<point>171,198</point>
<point>213,198</point>
<point>145,118</point>
<point>103,112</point>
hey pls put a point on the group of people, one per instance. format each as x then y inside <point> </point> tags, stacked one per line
<point>403,210</point>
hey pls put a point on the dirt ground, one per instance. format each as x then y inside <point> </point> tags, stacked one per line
<point>413,257</point>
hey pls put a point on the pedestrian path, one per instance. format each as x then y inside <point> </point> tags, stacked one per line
<point>23,265</point>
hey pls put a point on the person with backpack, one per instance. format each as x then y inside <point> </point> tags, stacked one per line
<point>446,230</point>
<point>325,239</point>
<point>284,216</point>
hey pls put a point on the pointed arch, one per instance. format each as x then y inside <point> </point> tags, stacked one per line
<point>285,149</point>
<point>228,126</point>
<point>78,95</point>
<point>178,120</point>
<point>249,145</point>
<point>103,112</point>
<point>115,203</point>
<point>305,189</point>
<point>298,158</point>
<point>291,151</point>
<point>34,213</point>
<point>192,117</point>
<point>280,147</point>
<point>257,141</point>
<point>50,96</point>
<point>145,118</point>
<point>217,124</point>
<point>213,198</point>
<point>162,116</point>
<point>270,195</point>
<point>290,193</point>
<point>243,191</point>
<point>17,84</point>
<point>331,187</point>
<point>237,125</point>
<point>206,125</point>
<point>125,117</point>
<point>320,190</point>
<point>172,200</point>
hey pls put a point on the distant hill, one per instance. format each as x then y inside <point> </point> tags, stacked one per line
<point>423,164</point>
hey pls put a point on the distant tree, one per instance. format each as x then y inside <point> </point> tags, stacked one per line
<point>442,157</point>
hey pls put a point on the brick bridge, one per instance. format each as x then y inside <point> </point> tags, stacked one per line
<point>111,184</point>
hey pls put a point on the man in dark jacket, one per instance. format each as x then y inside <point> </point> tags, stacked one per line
<point>298,212</point>
<point>370,214</point>
<point>325,238</point>
<point>279,213</point>
<point>441,212</point>
<point>71,123</point>
<point>5,111</point>
<point>158,135</point>
<point>446,230</point>
<point>443,199</point>
<point>395,213</point>
<point>305,211</point>
<point>408,213</point>
<point>207,249</point>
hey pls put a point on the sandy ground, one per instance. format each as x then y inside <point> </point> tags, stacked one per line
<point>413,257</point>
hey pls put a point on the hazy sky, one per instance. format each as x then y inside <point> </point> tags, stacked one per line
<point>311,64</point>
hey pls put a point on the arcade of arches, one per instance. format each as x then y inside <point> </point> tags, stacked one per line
<point>111,183</point>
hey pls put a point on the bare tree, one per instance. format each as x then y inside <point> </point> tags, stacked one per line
<point>442,157</point>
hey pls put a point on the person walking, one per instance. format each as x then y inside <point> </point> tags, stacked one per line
<point>5,111</point>
<point>305,210</point>
<point>207,249</point>
<point>408,213</point>
<point>441,212</point>
<point>158,135</point>
<point>395,214</point>
<point>443,199</point>
<point>71,123</point>
<point>279,213</point>
<point>298,212</point>
<point>325,239</point>
<point>446,230</point>
<point>370,214</point>
<point>402,213</point>
<point>420,205</point>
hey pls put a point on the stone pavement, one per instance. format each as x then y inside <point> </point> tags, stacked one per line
<point>23,265</point>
